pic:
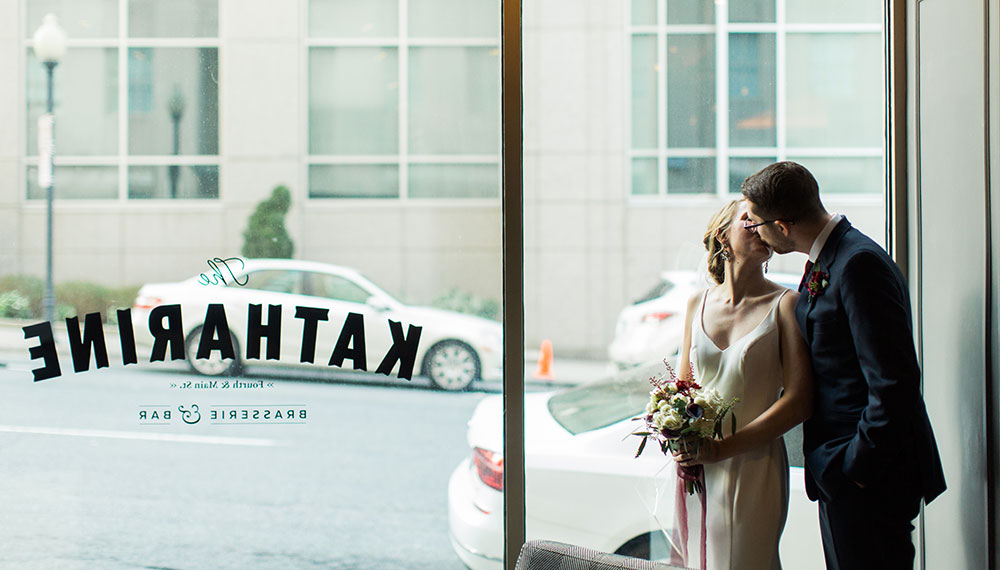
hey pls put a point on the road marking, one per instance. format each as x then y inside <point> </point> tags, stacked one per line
<point>143,436</point>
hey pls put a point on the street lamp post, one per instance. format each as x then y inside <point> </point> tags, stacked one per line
<point>49,44</point>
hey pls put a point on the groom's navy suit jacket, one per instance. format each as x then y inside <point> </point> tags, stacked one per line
<point>869,424</point>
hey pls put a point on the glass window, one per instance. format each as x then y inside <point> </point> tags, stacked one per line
<point>645,177</point>
<point>335,287</point>
<point>835,90</point>
<point>77,183</point>
<point>174,19</point>
<point>453,96</point>
<point>691,11</point>
<point>845,11</point>
<point>466,18</point>
<point>79,18</point>
<point>85,97</point>
<point>353,18</point>
<point>644,12</point>
<point>645,72</point>
<point>690,90</point>
<point>454,180</point>
<point>752,11</point>
<point>174,98</point>
<point>846,175</point>
<point>354,181</point>
<point>752,92</point>
<point>277,281</point>
<point>353,101</point>
<point>173,181</point>
<point>690,175</point>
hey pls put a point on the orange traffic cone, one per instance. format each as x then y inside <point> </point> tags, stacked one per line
<point>544,371</point>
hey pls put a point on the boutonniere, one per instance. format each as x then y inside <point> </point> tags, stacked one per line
<point>818,282</point>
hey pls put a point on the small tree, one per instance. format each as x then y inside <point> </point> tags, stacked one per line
<point>266,235</point>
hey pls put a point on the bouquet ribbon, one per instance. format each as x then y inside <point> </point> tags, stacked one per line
<point>691,478</point>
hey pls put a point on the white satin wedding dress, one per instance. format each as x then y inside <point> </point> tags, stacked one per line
<point>747,495</point>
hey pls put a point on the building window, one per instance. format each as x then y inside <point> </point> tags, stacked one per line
<point>403,103</point>
<point>717,94</point>
<point>136,103</point>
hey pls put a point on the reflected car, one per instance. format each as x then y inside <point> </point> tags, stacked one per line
<point>583,483</point>
<point>315,301</point>
<point>652,327</point>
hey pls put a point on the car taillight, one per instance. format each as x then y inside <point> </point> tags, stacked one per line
<point>146,302</point>
<point>489,465</point>
<point>660,316</point>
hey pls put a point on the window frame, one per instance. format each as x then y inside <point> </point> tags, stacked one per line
<point>722,152</point>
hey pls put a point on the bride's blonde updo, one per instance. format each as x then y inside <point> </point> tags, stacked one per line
<point>718,225</point>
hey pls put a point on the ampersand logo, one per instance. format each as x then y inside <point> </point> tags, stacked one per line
<point>191,416</point>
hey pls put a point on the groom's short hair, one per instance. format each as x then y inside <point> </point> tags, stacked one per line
<point>784,191</point>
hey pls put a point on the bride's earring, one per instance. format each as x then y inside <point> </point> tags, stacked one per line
<point>725,254</point>
<point>765,265</point>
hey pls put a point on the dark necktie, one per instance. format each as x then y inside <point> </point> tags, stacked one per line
<point>805,276</point>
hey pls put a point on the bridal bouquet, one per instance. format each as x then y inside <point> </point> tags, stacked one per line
<point>680,416</point>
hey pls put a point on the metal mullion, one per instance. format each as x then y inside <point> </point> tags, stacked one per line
<point>752,28</point>
<point>403,77</point>
<point>354,159</point>
<point>661,98</point>
<point>351,42</point>
<point>173,42</point>
<point>305,55</point>
<point>452,42</point>
<point>722,103</point>
<point>832,28</point>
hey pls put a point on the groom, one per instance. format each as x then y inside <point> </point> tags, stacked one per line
<point>870,455</point>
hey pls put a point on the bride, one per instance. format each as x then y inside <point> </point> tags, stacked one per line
<point>741,339</point>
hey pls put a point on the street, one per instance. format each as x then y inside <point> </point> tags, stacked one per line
<point>338,475</point>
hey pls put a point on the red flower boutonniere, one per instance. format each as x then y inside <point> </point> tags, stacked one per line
<point>818,281</point>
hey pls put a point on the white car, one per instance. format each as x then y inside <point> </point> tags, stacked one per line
<point>583,483</point>
<point>328,314</point>
<point>652,327</point>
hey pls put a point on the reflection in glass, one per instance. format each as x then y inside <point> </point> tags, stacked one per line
<point>173,19</point>
<point>691,90</point>
<point>353,101</point>
<point>454,181</point>
<point>173,182</point>
<point>353,181</point>
<point>840,12</point>
<point>453,100</point>
<point>353,18</point>
<point>846,175</point>
<point>77,183</point>
<point>690,11</point>
<point>741,167</point>
<point>645,181</point>
<point>644,92</point>
<point>752,10</point>
<point>836,97</point>
<point>752,90</point>
<point>79,18</point>
<point>173,101</point>
<point>644,12</point>
<point>686,175</point>
<point>454,18</point>
<point>86,101</point>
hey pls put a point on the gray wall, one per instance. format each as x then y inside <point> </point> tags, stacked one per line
<point>952,283</point>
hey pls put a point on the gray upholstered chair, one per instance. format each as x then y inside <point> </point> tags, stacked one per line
<point>550,555</point>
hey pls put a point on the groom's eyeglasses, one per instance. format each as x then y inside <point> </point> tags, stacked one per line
<point>752,228</point>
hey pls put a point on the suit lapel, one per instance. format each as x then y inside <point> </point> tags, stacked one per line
<point>826,259</point>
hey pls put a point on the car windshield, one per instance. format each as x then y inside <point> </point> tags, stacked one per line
<point>660,289</point>
<point>604,402</point>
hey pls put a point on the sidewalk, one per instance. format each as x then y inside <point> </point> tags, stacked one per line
<point>14,353</point>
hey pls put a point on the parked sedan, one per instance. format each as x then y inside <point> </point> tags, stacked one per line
<point>302,313</point>
<point>652,327</point>
<point>583,483</point>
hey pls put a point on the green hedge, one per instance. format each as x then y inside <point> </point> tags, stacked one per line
<point>21,297</point>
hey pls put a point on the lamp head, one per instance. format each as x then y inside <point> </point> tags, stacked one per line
<point>49,40</point>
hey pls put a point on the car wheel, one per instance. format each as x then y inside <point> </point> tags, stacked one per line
<point>214,365</point>
<point>451,365</point>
